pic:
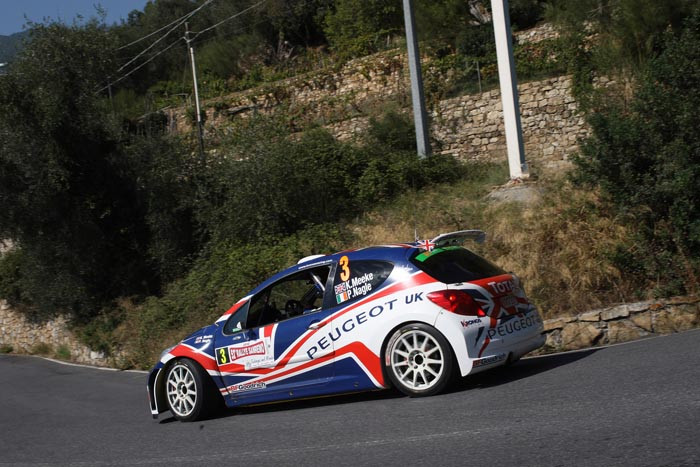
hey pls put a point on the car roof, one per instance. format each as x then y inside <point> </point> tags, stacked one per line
<point>390,252</point>
<point>395,253</point>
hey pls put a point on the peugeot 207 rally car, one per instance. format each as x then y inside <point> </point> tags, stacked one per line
<point>408,315</point>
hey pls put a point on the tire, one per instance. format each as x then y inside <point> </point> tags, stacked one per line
<point>418,360</point>
<point>190,392</point>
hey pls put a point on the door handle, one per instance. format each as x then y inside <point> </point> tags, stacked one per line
<point>315,325</point>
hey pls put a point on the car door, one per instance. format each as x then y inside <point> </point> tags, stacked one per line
<point>263,349</point>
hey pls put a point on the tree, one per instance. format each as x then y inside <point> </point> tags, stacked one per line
<point>646,158</point>
<point>627,32</point>
<point>68,197</point>
<point>361,27</point>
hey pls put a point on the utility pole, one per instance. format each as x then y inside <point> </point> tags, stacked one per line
<point>200,130</point>
<point>509,90</point>
<point>419,114</point>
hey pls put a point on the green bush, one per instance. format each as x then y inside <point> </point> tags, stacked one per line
<point>269,183</point>
<point>361,27</point>
<point>223,275</point>
<point>11,277</point>
<point>476,41</point>
<point>646,158</point>
<point>544,58</point>
<point>63,353</point>
<point>42,348</point>
<point>526,13</point>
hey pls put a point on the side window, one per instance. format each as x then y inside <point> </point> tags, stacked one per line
<point>294,295</point>
<point>356,279</point>
<point>237,320</point>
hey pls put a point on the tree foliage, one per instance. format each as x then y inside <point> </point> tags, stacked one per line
<point>100,211</point>
<point>625,33</point>
<point>646,157</point>
<point>360,27</point>
<point>270,184</point>
<point>85,203</point>
<point>67,197</point>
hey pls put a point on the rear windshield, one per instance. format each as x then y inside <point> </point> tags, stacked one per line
<point>455,264</point>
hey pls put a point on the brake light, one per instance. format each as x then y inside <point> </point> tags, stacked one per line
<point>456,301</point>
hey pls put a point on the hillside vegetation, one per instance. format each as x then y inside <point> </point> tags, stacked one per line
<point>139,238</point>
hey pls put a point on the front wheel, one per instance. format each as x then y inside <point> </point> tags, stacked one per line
<point>189,391</point>
<point>419,360</point>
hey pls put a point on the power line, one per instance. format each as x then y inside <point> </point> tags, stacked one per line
<point>149,35</point>
<point>229,18</point>
<point>234,31</point>
<point>159,30</point>
<point>179,22</point>
<point>112,83</point>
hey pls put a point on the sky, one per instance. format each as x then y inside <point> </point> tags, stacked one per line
<point>12,12</point>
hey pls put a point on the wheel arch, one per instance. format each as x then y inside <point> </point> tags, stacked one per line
<point>159,388</point>
<point>156,386</point>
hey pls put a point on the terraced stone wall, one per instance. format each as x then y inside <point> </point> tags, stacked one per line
<point>469,127</point>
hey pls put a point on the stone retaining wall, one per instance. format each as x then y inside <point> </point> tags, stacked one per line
<point>537,34</point>
<point>51,338</point>
<point>469,127</point>
<point>622,323</point>
<point>611,325</point>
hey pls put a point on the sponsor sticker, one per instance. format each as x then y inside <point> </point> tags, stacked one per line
<point>252,355</point>
<point>514,325</point>
<point>354,287</point>
<point>203,339</point>
<point>466,323</point>
<point>242,387</point>
<point>479,362</point>
<point>236,353</point>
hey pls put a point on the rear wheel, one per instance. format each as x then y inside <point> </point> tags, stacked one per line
<point>419,360</point>
<point>190,391</point>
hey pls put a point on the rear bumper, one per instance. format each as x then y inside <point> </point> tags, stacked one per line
<point>482,343</point>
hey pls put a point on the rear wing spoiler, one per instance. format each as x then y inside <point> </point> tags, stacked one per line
<point>458,238</point>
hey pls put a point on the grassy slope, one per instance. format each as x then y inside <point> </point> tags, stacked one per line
<point>560,245</point>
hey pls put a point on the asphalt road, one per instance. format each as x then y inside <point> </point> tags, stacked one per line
<point>636,404</point>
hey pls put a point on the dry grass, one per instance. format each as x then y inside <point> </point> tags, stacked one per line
<point>560,246</point>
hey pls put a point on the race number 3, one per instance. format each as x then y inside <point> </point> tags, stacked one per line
<point>345,268</point>
<point>222,355</point>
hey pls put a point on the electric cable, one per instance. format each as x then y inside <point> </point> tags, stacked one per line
<point>180,22</point>
<point>229,18</point>
<point>140,65</point>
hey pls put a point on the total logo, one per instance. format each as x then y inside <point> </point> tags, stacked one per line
<point>502,287</point>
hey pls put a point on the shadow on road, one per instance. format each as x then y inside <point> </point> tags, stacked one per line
<point>497,376</point>
<point>521,369</point>
<point>285,406</point>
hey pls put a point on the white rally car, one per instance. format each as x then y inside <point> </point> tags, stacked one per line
<point>411,315</point>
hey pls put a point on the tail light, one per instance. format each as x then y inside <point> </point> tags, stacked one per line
<point>456,301</point>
